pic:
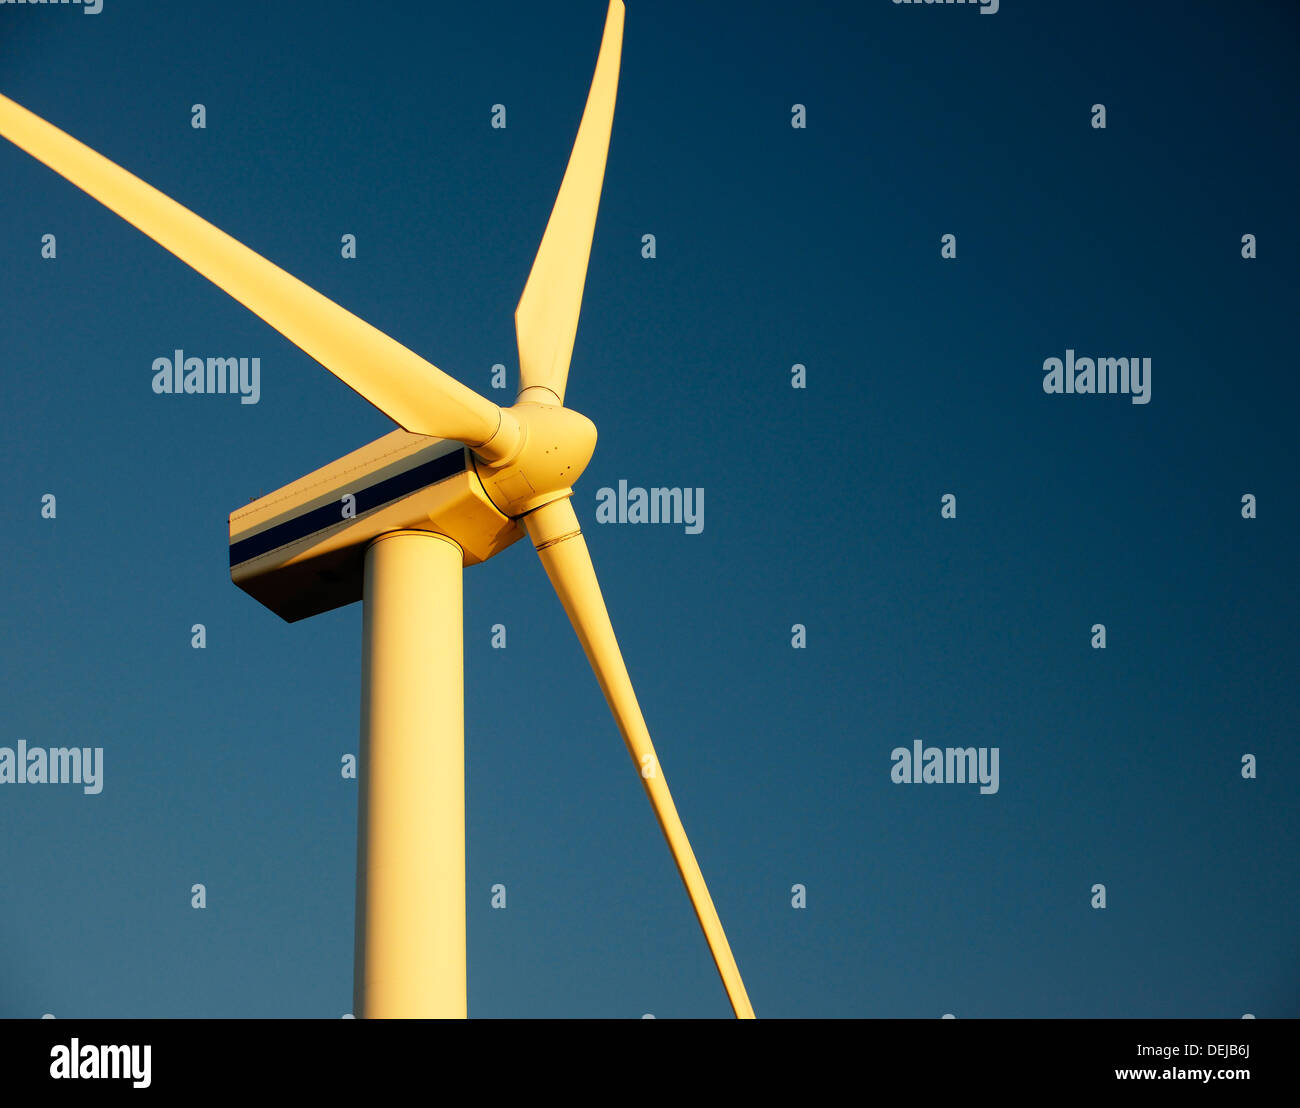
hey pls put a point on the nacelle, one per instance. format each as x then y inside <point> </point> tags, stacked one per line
<point>301,549</point>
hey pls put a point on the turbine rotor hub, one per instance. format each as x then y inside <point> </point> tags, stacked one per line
<point>555,445</point>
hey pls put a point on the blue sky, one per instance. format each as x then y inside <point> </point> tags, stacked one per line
<point>775,246</point>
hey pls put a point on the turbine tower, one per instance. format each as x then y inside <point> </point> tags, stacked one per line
<point>394,524</point>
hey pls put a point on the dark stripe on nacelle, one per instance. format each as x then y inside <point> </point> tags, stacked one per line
<point>327,515</point>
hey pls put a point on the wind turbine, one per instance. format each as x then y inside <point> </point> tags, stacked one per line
<point>394,524</point>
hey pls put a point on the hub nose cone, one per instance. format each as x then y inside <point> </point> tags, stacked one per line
<point>557,446</point>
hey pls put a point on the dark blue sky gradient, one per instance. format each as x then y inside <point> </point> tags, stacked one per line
<point>775,246</point>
